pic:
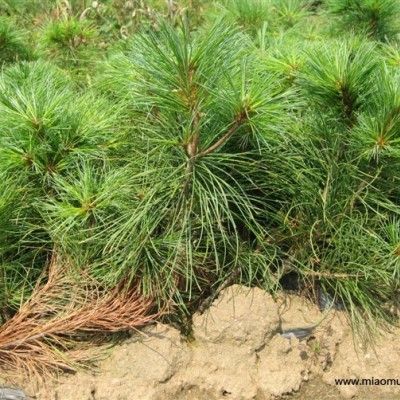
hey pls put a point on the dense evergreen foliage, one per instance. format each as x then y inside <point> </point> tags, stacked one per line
<point>179,145</point>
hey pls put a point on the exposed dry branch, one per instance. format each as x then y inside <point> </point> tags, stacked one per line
<point>330,275</point>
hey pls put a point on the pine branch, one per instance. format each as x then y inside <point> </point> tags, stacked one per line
<point>348,103</point>
<point>192,146</point>
<point>238,123</point>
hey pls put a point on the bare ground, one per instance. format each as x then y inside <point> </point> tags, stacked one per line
<point>239,354</point>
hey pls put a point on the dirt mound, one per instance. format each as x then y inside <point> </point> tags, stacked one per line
<point>238,353</point>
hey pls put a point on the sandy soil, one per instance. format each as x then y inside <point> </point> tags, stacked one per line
<point>238,353</point>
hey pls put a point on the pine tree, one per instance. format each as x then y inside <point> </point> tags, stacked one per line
<point>378,19</point>
<point>257,145</point>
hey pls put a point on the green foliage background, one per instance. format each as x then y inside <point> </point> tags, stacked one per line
<point>181,144</point>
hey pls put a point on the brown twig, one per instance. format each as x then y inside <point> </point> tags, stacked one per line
<point>192,146</point>
<point>224,138</point>
<point>191,151</point>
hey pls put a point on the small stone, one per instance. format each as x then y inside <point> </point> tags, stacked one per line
<point>7,393</point>
<point>116,382</point>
